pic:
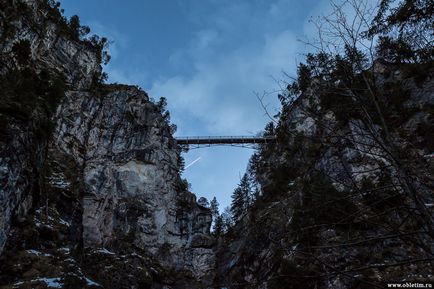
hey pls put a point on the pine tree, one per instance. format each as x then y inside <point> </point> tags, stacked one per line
<point>214,207</point>
<point>227,219</point>
<point>252,167</point>
<point>237,205</point>
<point>203,202</point>
<point>74,25</point>
<point>241,198</point>
<point>405,30</point>
<point>218,226</point>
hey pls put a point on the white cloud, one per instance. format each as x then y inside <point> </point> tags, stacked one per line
<point>219,93</point>
<point>237,47</point>
<point>238,50</point>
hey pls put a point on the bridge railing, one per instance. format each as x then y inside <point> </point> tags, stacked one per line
<point>199,140</point>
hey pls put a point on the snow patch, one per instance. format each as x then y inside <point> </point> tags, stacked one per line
<point>50,282</point>
<point>65,249</point>
<point>429,156</point>
<point>91,283</point>
<point>58,181</point>
<point>37,253</point>
<point>105,251</point>
<point>63,222</point>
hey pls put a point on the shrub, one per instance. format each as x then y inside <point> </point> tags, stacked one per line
<point>22,52</point>
<point>320,204</point>
<point>27,95</point>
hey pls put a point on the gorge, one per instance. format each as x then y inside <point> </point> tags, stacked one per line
<point>92,194</point>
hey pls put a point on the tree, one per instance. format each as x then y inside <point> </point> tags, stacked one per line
<point>216,218</point>
<point>74,25</point>
<point>361,84</point>
<point>343,79</point>
<point>237,205</point>
<point>100,43</point>
<point>218,228</point>
<point>227,219</point>
<point>214,206</point>
<point>22,51</point>
<point>161,107</point>
<point>405,30</point>
<point>203,202</point>
<point>252,166</point>
<point>241,198</point>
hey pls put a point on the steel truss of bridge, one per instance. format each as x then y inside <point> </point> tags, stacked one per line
<point>237,141</point>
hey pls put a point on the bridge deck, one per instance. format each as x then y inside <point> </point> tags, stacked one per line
<point>223,140</point>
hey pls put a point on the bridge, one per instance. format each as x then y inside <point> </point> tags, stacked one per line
<point>237,141</point>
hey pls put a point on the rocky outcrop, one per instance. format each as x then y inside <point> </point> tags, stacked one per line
<point>22,149</point>
<point>89,171</point>
<point>129,163</point>
<point>334,211</point>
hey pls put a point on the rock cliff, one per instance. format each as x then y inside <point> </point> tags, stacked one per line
<point>91,191</point>
<point>30,38</point>
<point>91,194</point>
<point>334,210</point>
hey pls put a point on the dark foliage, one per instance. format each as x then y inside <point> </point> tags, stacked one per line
<point>406,31</point>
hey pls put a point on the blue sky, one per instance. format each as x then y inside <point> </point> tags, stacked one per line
<point>208,58</point>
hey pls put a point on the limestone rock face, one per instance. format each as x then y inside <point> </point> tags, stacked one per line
<point>22,152</point>
<point>20,156</point>
<point>103,184</point>
<point>108,135</point>
<point>276,242</point>
<point>130,170</point>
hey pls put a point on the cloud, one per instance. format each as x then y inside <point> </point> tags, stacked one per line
<point>241,48</point>
<point>219,92</point>
<point>225,51</point>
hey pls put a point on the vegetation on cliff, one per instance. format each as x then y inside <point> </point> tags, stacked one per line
<point>343,199</point>
<point>346,193</point>
<point>75,210</point>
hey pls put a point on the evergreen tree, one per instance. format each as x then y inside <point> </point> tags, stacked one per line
<point>237,205</point>
<point>255,190</point>
<point>269,129</point>
<point>203,202</point>
<point>246,189</point>
<point>241,198</point>
<point>214,206</point>
<point>218,226</point>
<point>74,25</point>
<point>405,30</point>
<point>227,219</point>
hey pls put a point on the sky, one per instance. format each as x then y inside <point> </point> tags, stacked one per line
<point>209,58</point>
